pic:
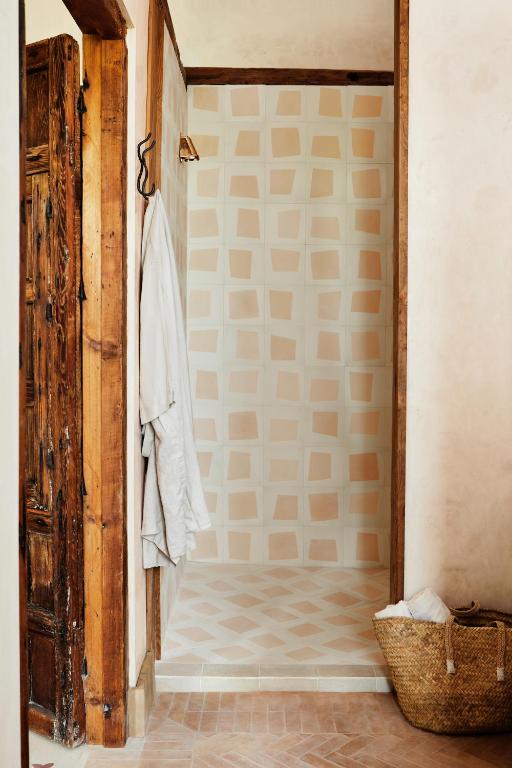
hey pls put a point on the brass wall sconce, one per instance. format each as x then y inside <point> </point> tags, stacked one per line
<point>188,152</point>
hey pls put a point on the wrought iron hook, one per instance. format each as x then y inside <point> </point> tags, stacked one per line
<point>144,173</point>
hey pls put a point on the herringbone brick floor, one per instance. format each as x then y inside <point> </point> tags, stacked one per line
<point>295,730</point>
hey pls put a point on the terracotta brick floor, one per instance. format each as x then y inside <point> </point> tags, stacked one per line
<point>294,730</point>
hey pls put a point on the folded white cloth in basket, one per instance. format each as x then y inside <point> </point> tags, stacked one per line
<point>424,606</point>
<point>390,611</point>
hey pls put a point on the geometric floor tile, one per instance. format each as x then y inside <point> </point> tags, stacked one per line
<point>292,730</point>
<point>258,614</point>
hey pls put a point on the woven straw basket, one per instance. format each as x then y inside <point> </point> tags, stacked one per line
<point>454,677</point>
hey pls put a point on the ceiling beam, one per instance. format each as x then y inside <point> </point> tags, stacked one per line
<point>98,17</point>
<point>265,76</point>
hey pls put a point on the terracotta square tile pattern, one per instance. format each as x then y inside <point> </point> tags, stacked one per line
<point>289,319</point>
<point>294,730</point>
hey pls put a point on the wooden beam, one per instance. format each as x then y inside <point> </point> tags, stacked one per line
<point>157,20</point>
<point>98,17</point>
<point>104,356</point>
<point>155,88</point>
<point>226,76</point>
<point>400,300</point>
<point>91,386</point>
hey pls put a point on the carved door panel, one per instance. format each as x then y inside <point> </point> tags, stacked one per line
<point>52,357</point>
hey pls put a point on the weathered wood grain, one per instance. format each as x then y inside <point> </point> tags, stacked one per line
<point>51,351</point>
<point>104,355</point>
<point>113,375</point>
<point>91,383</point>
<point>400,300</point>
<point>37,159</point>
<point>100,17</point>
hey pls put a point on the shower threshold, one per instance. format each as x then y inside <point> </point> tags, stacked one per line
<point>173,677</point>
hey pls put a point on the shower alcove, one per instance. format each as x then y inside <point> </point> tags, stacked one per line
<point>288,285</point>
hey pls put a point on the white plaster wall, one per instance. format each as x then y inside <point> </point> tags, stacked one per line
<point>332,34</point>
<point>48,18</point>
<point>9,322</point>
<point>459,431</point>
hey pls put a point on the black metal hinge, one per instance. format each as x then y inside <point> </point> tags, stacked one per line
<point>81,105</point>
<point>81,290</point>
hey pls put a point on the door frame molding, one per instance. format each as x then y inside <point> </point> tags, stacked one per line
<point>155,71</point>
<point>400,260</point>
<point>104,255</point>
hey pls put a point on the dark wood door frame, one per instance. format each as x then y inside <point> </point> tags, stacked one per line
<point>156,26</point>
<point>104,388</point>
<point>104,252</point>
<point>104,367</point>
<point>400,256</point>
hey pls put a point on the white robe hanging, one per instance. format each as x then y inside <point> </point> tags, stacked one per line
<point>174,503</point>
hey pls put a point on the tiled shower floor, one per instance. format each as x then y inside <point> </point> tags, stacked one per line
<point>264,615</point>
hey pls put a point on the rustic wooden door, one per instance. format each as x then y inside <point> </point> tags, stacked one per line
<point>52,358</point>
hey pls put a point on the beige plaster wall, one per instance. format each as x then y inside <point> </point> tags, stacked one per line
<point>9,322</point>
<point>459,433</point>
<point>47,18</point>
<point>337,34</point>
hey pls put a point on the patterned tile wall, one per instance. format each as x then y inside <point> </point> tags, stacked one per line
<point>174,173</point>
<point>289,321</point>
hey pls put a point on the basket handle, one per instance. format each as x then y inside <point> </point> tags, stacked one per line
<point>500,658</point>
<point>448,644</point>
<point>471,611</point>
<point>500,649</point>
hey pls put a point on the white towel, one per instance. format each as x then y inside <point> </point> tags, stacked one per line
<point>390,611</point>
<point>428,606</point>
<point>423,606</point>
